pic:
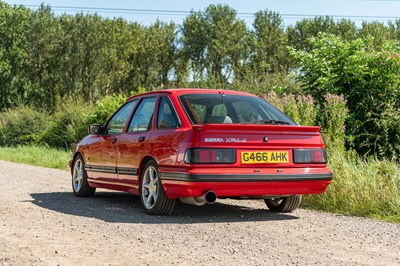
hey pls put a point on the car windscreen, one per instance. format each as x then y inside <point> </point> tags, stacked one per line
<point>220,108</point>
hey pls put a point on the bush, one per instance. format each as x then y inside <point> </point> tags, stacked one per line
<point>334,116</point>
<point>25,125</point>
<point>388,125</point>
<point>104,108</point>
<point>369,81</point>
<point>305,111</point>
<point>22,126</point>
<point>70,121</point>
<point>308,110</point>
<point>274,99</point>
<point>67,125</point>
<point>301,109</point>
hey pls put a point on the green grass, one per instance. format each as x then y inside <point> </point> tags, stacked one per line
<point>38,156</point>
<point>365,187</point>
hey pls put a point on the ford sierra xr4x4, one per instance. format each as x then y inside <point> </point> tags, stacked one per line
<point>198,145</point>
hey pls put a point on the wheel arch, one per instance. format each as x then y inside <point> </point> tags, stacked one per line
<point>76,154</point>
<point>143,163</point>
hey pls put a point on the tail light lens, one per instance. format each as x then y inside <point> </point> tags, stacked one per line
<point>309,156</point>
<point>205,155</point>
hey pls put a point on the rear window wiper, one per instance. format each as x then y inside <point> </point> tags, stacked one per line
<point>268,121</point>
<point>275,122</point>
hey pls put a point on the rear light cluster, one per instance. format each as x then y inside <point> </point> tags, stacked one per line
<point>228,156</point>
<point>201,155</point>
<point>309,156</point>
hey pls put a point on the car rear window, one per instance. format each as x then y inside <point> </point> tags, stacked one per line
<point>222,108</point>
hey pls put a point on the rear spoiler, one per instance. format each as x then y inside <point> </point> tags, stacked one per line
<point>248,127</point>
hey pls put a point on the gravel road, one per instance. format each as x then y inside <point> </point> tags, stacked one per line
<point>42,223</point>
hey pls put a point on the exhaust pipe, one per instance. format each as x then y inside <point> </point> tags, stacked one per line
<point>208,197</point>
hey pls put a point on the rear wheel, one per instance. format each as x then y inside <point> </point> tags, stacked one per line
<point>80,184</point>
<point>284,204</point>
<point>152,193</point>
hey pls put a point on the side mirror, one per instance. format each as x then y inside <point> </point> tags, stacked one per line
<point>94,129</point>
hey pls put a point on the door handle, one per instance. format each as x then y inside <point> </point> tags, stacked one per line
<point>141,138</point>
<point>113,139</point>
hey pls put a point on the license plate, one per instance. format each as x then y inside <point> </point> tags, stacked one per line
<point>264,157</point>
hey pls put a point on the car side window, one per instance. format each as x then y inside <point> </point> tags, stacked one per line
<point>141,120</point>
<point>166,117</point>
<point>117,123</point>
<point>198,111</point>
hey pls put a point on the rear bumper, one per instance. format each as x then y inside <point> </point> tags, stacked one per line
<point>244,177</point>
<point>177,185</point>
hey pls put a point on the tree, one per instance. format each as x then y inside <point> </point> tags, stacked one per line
<point>377,31</point>
<point>194,44</point>
<point>83,40</point>
<point>213,43</point>
<point>268,41</point>
<point>122,53</point>
<point>394,27</point>
<point>43,59</point>
<point>13,38</point>
<point>299,34</point>
<point>159,54</point>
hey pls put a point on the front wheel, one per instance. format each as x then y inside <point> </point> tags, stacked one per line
<point>284,204</point>
<point>152,193</point>
<point>80,184</point>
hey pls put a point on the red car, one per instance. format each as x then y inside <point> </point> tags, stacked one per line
<point>198,145</point>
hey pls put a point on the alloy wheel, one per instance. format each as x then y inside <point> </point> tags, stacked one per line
<point>150,187</point>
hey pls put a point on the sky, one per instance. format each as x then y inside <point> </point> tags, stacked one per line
<point>147,12</point>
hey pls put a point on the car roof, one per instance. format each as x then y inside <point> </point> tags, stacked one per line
<point>180,91</point>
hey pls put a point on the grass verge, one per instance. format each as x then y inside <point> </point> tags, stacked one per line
<point>35,155</point>
<point>365,187</point>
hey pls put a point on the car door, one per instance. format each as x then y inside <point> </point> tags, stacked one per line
<point>132,146</point>
<point>102,155</point>
<point>167,136</point>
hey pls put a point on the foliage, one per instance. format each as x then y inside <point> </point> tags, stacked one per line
<point>278,82</point>
<point>213,43</point>
<point>13,26</point>
<point>305,111</point>
<point>69,124</point>
<point>300,33</point>
<point>22,126</point>
<point>28,126</point>
<point>334,115</point>
<point>377,32</point>
<point>301,109</point>
<point>267,46</point>
<point>369,81</point>
<point>66,126</point>
<point>309,110</point>
<point>104,108</point>
<point>45,59</point>
<point>363,187</point>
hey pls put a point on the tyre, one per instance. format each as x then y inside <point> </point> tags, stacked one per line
<point>80,184</point>
<point>285,204</point>
<point>152,193</point>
